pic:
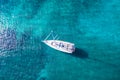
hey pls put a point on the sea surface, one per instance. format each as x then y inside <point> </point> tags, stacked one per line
<point>92,25</point>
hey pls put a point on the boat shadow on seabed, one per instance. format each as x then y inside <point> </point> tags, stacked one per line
<point>80,53</point>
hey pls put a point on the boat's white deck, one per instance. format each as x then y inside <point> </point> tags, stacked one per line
<point>60,45</point>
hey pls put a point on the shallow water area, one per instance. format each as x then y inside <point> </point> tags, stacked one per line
<point>92,25</point>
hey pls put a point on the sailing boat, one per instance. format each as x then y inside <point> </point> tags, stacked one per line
<point>59,44</point>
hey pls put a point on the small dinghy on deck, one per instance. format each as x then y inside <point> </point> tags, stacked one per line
<point>60,45</point>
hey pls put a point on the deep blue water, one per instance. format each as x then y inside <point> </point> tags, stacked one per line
<point>93,25</point>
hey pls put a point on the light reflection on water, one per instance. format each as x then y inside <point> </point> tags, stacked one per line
<point>18,56</point>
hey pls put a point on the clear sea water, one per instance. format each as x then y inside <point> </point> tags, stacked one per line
<point>92,25</point>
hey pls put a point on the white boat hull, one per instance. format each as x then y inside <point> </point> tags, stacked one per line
<point>61,45</point>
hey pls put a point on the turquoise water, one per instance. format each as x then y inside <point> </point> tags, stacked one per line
<point>93,25</point>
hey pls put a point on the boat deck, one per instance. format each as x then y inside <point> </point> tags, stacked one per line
<point>61,45</point>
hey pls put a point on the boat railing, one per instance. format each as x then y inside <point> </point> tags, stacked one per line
<point>55,37</point>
